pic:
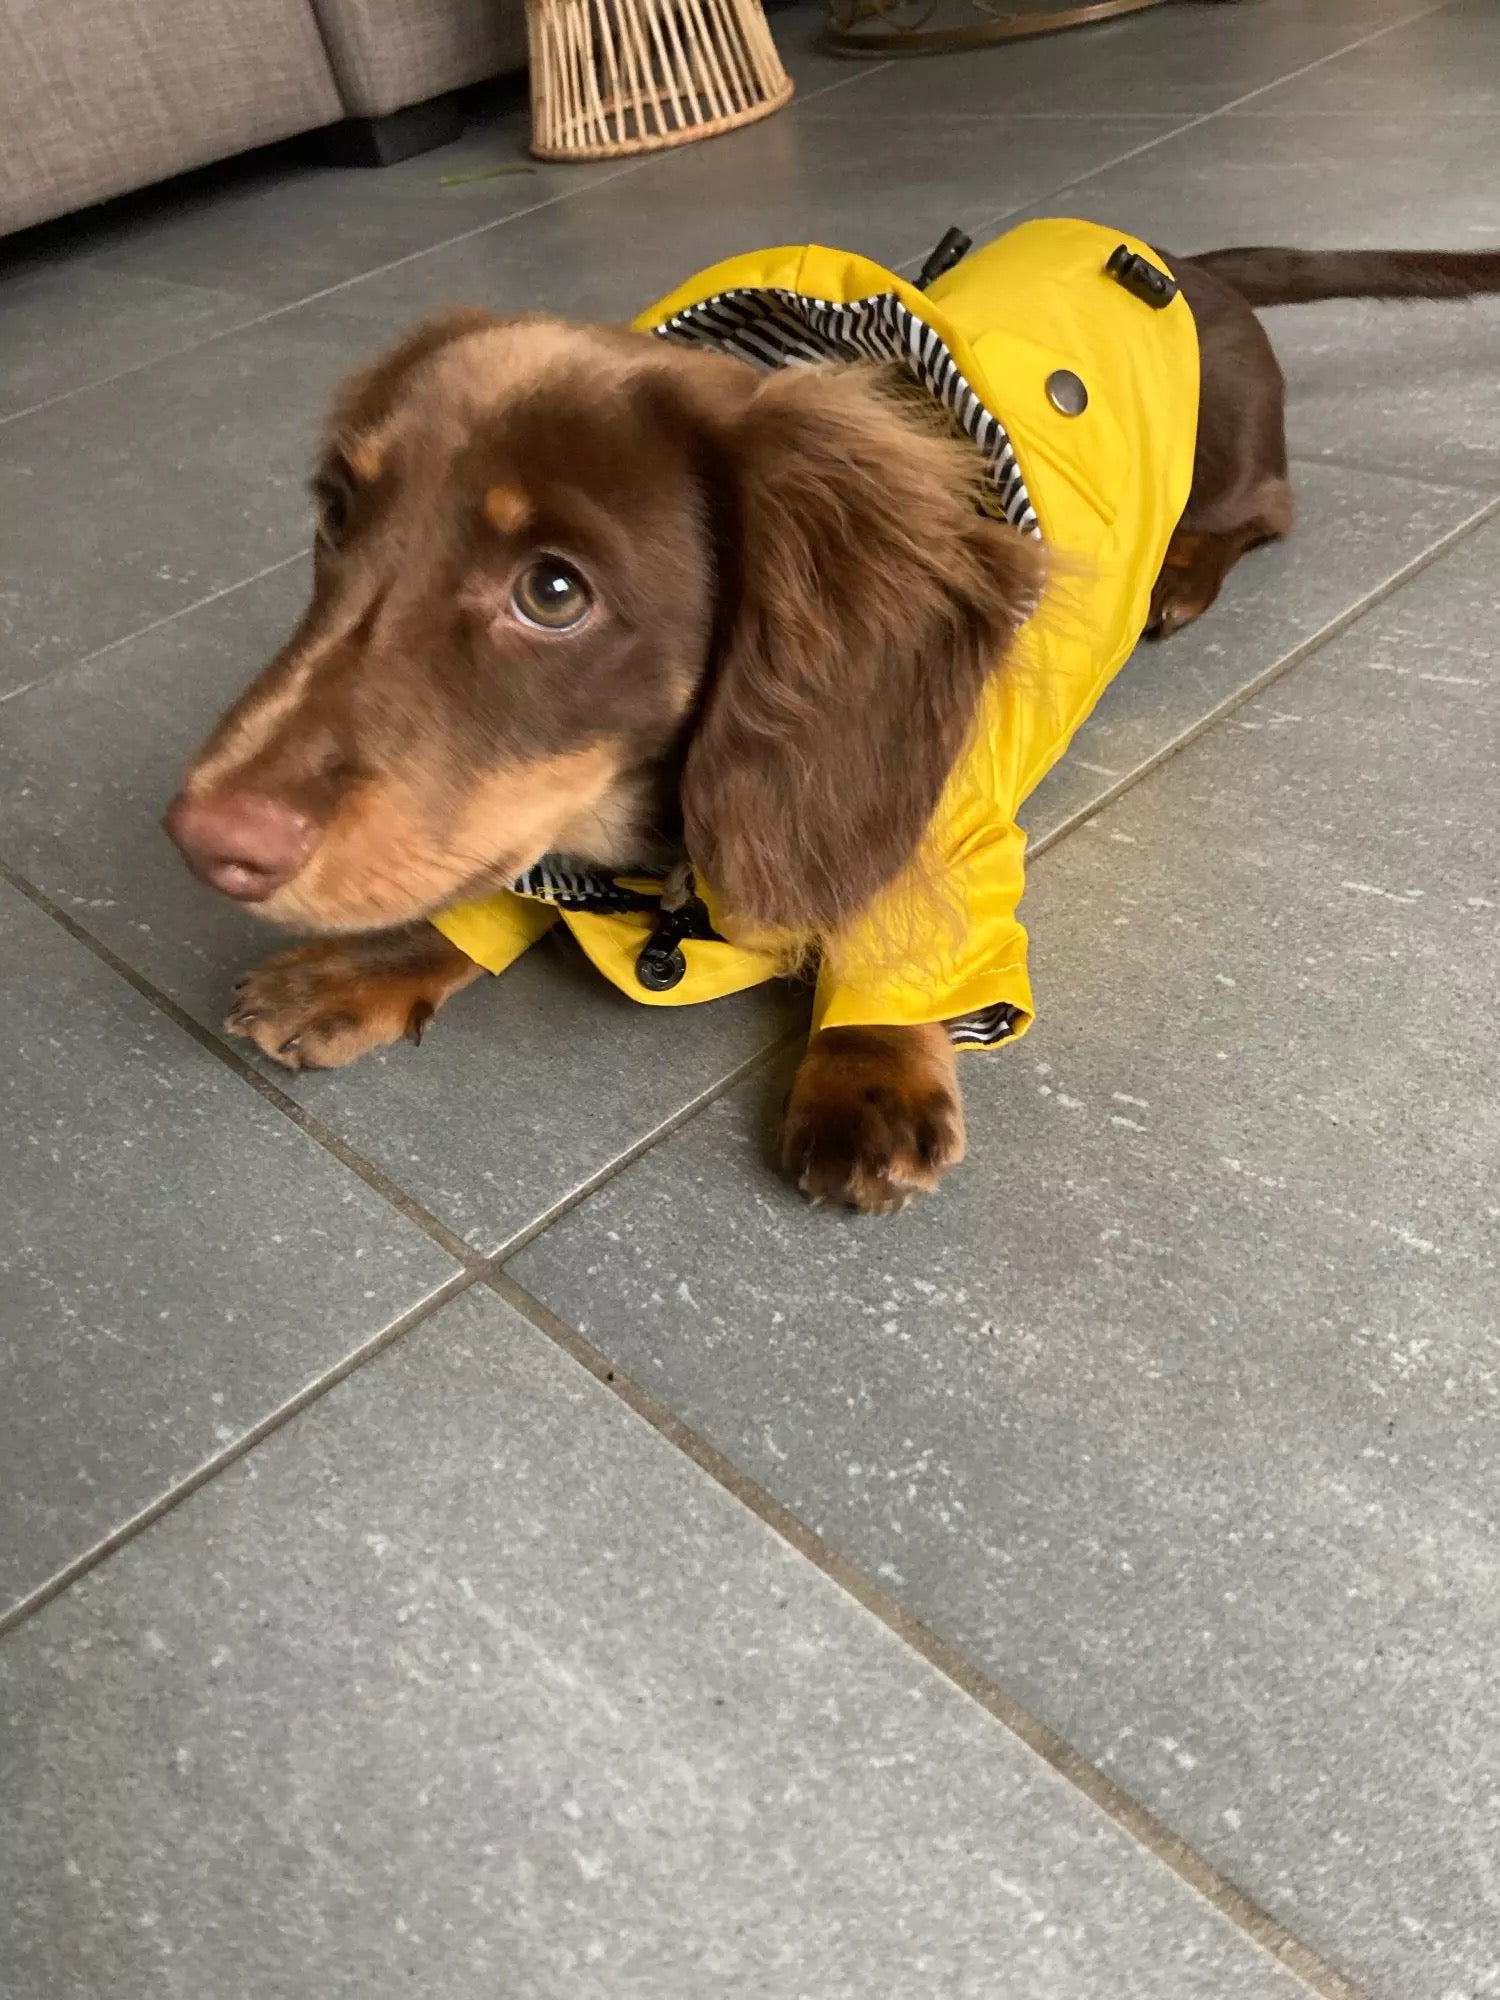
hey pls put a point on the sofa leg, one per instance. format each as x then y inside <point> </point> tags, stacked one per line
<point>399,135</point>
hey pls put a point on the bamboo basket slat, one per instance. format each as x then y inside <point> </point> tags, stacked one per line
<point>612,77</point>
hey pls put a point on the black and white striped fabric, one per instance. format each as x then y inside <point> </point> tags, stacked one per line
<point>986,1029</point>
<point>778,329</point>
<point>556,880</point>
<point>552,880</point>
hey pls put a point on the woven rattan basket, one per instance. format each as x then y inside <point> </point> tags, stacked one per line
<point>610,77</point>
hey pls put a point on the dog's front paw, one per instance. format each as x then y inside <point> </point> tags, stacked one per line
<point>323,1004</point>
<point>874,1117</point>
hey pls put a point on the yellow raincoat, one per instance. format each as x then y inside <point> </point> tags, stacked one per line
<point>1004,340</point>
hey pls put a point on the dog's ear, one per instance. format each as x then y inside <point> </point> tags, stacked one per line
<point>866,603</point>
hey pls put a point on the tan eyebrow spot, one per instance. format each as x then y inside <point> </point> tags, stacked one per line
<point>507,508</point>
<point>365,458</point>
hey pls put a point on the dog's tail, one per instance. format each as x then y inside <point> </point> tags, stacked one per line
<point>1299,277</point>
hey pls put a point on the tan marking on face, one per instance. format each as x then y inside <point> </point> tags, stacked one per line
<point>268,708</point>
<point>382,862</point>
<point>251,726</point>
<point>612,829</point>
<point>366,456</point>
<point>507,508</point>
<point>520,813</point>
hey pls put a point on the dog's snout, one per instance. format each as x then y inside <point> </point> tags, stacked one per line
<point>241,843</point>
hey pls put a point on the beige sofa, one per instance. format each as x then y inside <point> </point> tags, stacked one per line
<point>99,96</point>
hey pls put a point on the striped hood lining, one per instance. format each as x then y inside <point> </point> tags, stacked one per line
<point>553,880</point>
<point>774,328</point>
<point>594,892</point>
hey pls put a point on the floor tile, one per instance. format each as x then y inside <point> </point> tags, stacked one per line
<point>64,327</point>
<point>175,1259</point>
<point>137,497</point>
<point>878,185</point>
<point>465,1682</point>
<point>1394,387</point>
<point>1355,531</point>
<point>529,1084</point>
<point>1174,61</point>
<point>186,476</point>
<point>1301,178</point>
<point>1178,1408</point>
<point>1409,387</point>
<point>1446,56</point>
<point>293,228</point>
<point>283,226</point>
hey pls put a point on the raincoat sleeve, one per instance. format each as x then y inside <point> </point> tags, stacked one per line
<point>946,941</point>
<point>495,930</point>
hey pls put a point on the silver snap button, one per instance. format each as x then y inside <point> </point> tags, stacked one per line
<point>1066,393</point>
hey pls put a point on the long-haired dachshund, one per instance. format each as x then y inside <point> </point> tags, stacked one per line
<point>734,641</point>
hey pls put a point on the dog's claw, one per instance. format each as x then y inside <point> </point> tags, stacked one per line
<point>417,1020</point>
<point>290,1047</point>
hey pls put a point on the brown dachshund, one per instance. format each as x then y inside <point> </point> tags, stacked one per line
<point>579,592</point>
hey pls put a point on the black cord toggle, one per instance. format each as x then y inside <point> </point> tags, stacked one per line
<point>954,247</point>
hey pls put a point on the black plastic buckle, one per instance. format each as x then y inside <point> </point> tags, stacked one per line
<point>954,247</point>
<point>660,964</point>
<point>1141,279</point>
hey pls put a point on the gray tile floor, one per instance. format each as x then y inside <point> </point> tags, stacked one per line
<point>467,1528</point>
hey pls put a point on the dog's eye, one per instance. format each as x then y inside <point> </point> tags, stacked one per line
<point>552,595</point>
<point>332,498</point>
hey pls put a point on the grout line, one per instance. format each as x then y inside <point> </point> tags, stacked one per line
<point>310,1392</point>
<point>170,617</point>
<point>156,624</point>
<point>1127,1813</point>
<point>312,1127</point>
<point>1191,124</point>
<point>604,180</point>
<point>683,1115</point>
<point>1331,114</point>
<point>858,72</point>
<point>45,270</point>
<point>324,292</point>
<point>395,263</point>
<point>487,1266</point>
<point>1477,488</point>
<point>1124,1811</point>
<point>323,1135</point>
<point>1333,55</point>
<point>639,166</point>
<point>1064,187</point>
<point>474,1265</point>
<point>1233,702</point>
<point>1133,1819</point>
<point>1012,117</point>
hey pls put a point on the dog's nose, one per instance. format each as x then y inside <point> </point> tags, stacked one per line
<point>240,842</point>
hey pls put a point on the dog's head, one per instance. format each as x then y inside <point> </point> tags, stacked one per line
<point>580,591</point>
